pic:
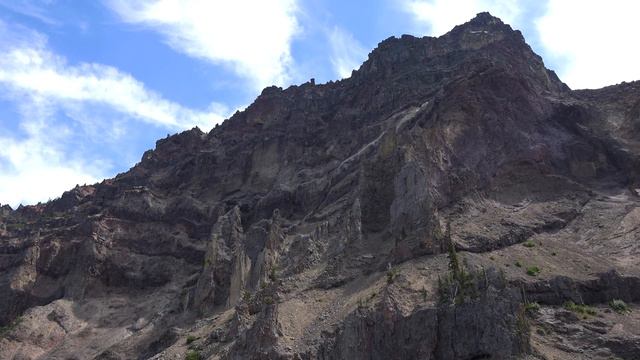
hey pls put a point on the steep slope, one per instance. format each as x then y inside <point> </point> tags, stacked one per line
<point>414,210</point>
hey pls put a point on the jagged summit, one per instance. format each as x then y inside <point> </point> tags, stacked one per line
<point>413,68</point>
<point>427,64</point>
<point>484,23</point>
<point>324,222</point>
<point>484,19</point>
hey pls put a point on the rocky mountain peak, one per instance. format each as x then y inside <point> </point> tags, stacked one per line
<point>485,41</point>
<point>484,20</point>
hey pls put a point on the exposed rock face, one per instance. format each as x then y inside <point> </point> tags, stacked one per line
<point>225,264</point>
<point>321,223</point>
<point>489,326</point>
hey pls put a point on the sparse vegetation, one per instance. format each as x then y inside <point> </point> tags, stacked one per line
<point>454,262</point>
<point>392,273</point>
<point>16,226</point>
<point>619,306</point>
<point>363,303</point>
<point>4,330</point>
<point>533,271</point>
<point>267,300</point>
<point>528,244</point>
<point>518,263</point>
<point>190,339</point>
<point>192,355</point>
<point>246,296</point>
<point>463,287</point>
<point>579,308</point>
<point>457,285</point>
<point>522,322</point>
<point>273,274</point>
<point>424,294</point>
<point>531,307</point>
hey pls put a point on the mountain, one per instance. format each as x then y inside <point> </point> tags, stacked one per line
<point>452,199</point>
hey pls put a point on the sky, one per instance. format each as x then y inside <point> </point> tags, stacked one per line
<point>87,86</point>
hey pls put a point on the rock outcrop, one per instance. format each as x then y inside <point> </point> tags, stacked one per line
<point>444,202</point>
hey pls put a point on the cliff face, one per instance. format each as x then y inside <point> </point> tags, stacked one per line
<point>442,203</point>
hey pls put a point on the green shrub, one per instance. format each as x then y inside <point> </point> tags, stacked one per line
<point>191,339</point>
<point>619,306</point>
<point>458,284</point>
<point>424,294</point>
<point>533,271</point>
<point>365,302</point>
<point>579,308</point>
<point>528,244</point>
<point>518,263</point>
<point>391,275</point>
<point>192,355</point>
<point>532,307</point>
<point>273,274</point>
<point>454,263</point>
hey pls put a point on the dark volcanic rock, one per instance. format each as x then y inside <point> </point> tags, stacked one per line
<point>316,223</point>
<point>491,326</point>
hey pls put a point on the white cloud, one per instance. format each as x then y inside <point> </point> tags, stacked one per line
<point>63,106</point>
<point>37,72</point>
<point>346,52</point>
<point>253,37</point>
<point>35,166</point>
<point>437,17</point>
<point>596,40</point>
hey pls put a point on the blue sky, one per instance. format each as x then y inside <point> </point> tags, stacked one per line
<point>87,86</point>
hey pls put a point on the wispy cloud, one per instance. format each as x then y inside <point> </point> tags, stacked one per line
<point>596,40</point>
<point>346,52</point>
<point>35,71</point>
<point>38,166</point>
<point>252,37</point>
<point>33,9</point>
<point>65,109</point>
